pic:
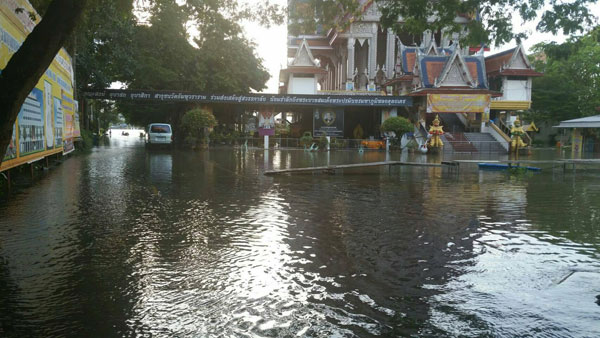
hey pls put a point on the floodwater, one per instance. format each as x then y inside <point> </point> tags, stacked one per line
<point>127,242</point>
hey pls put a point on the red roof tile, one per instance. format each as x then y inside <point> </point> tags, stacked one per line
<point>472,67</point>
<point>495,62</point>
<point>411,58</point>
<point>434,69</point>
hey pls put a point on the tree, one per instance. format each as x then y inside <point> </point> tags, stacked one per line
<point>60,17</point>
<point>570,87</point>
<point>195,124</point>
<point>397,124</point>
<point>221,61</point>
<point>490,21</point>
<point>29,63</point>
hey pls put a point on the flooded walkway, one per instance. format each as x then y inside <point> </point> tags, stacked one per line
<point>130,242</point>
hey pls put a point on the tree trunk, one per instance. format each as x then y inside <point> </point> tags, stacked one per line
<point>28,64</point>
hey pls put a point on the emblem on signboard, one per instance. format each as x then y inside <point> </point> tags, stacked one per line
<point>329,117</point>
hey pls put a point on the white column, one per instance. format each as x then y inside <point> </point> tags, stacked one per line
<point>373,53</point>
<point>266,142</point>
<point>266,158</point>
<point>328,142</point>
<point>350,67</point>
<point>340,76</point>
<point>390,63</point>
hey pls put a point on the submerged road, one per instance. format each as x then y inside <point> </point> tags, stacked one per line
<point>131,242</point>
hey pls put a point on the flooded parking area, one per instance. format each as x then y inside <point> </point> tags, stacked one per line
<point>134,242</point>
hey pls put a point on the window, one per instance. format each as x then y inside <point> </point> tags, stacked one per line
<point>160,128</point>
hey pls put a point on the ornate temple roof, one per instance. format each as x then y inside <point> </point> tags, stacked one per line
<point>454,70</point>
<point>408,54</point>
<point>303,63</point>
<point>512,62</point>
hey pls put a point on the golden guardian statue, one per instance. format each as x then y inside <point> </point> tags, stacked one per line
<point>516,135</point>
<point>436,131</point>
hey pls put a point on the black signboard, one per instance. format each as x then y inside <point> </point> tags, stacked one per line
<point>256,99</point>
<point>328,122</point>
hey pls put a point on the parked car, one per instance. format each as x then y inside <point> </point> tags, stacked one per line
<point>159,134</point>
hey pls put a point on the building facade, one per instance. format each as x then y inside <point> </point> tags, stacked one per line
<point>442,77</point>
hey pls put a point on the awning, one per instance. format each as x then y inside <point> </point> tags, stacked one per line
<point>584,122</point>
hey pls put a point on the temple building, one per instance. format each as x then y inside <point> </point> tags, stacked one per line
<point>460,83</point>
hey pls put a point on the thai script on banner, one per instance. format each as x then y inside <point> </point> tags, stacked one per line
<point>458,103</point>
<point>267,99</point>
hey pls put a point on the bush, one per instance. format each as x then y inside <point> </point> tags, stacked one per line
<point>306,139</point>
<point>195,124</point>
<point>323,142</point>
<point>338,143</point>
<point>397,124</point>
<point>86,142</point>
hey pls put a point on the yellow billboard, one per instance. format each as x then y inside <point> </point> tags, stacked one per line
<point>458,103</point>
<point>45,124</point>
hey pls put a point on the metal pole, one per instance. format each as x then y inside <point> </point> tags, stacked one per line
<point>266,142</point>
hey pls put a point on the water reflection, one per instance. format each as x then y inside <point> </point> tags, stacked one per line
<point>173,243</point>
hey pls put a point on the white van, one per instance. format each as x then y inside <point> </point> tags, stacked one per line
<point>159,133</point>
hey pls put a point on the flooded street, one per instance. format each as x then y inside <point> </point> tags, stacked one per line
<point>132,242</point>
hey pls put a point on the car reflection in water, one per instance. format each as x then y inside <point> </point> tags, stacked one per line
<point>159,163</point>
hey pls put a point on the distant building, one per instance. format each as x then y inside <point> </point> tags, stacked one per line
<point>440,75</point>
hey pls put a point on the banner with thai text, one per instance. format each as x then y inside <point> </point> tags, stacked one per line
<point>257,99</point>
<point>458,103</point>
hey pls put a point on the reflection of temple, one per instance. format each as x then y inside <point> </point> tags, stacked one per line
<point>468,88</point>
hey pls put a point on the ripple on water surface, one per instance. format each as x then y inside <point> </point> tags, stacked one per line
<point>198,244</point>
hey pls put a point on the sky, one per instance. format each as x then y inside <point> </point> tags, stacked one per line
<point>272,43</point>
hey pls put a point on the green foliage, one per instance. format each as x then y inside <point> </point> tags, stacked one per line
<point>225,137</point>
<point>195,124</point>
<point>221,59</point>
<point>322,143</point>
<point>318,16</point>
<point>282,129</point>
<point>569,88</point>
<point>338,143</point>
<point>493,25</point>
<point>103,43</point>
<point>306,140</point>
<point>86,142</point>
<point>398,124</point>
<point>154,51</point>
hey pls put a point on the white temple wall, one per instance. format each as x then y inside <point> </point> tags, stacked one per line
<point>302,85</point>
<point>516,90</point>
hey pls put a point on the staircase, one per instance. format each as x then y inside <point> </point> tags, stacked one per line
<point>471,143</point>
<point>485,143</point>
<point>459,142</point>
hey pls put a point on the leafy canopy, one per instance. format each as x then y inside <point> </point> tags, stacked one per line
<point>195,124</point>
<point>489,21</point>
<point>398,124</point>
<point>570,87</point>
<point>220,60</point>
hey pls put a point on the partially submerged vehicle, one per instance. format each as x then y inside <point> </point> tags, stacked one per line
<point>159,134</point>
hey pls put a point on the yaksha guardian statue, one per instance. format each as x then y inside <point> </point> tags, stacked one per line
<point>436,131</point>
<point>516,135</point>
